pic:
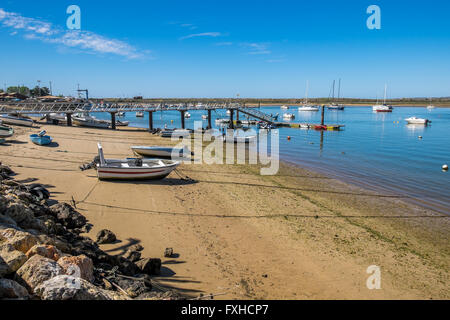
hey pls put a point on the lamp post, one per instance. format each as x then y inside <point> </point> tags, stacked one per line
<point>39,87</point>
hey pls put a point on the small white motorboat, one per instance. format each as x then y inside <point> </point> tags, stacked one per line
<point>16,120</point>
<point>162,152</point>
<point>205,117</point>
<point>308,108</point>
<point>430,107</point>
<point>222,120</point>
<point>335,106</point>
<point>133,169</point>
<point>415,120</point>
<point>285,107</point>
<point>139,114</point>
<point>288,116</point>
<point>187,115</point>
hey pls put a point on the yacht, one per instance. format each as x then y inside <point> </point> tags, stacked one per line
<point>306,106</point>
<point>383,107</point>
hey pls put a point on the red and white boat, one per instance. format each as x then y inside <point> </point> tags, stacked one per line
<point>383,107</point>
<point>133,169</point>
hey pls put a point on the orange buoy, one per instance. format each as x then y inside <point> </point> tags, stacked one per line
<point>289,138</point>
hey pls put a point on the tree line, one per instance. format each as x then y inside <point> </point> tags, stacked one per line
<point>23,90</point>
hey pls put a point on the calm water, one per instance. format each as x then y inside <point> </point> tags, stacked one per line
<point>373,150</point>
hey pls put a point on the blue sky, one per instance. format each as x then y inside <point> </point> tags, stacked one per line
<point>266,49</point>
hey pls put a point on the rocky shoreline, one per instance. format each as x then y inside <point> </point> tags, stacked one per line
<point>43,255</point>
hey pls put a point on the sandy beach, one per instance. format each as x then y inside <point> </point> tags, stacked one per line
<point>240,235</point>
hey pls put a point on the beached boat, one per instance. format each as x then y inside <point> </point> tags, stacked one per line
<point>139,114</point>
<point>16,120</point>
<point>415,120</point>
<point>169,133</point>
<point>6,132</point>
<point>41,139</point>
<point>133,169</point>
<point>85,120</point>
<point>162,152</point>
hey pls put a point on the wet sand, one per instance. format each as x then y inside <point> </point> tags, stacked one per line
<point>296,235</point>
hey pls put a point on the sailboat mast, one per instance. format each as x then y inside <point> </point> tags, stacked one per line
<point>339,89</point>
<point>307,89</point>
<point>334,83</point>
<point>385,91</point>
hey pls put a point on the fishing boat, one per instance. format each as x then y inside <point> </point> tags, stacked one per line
<point>16,120</point>
<point>85,120</point>
<point>133,169</point>
<point>41,138</point>
<point>139,114</point>
<point>383,107</point>
<point>288,116</point>
<point>415,120</point>
<point>6,132</point>
<point>162,152</point>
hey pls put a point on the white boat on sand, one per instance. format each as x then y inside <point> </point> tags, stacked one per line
<point>133,169</point>
<point>85,120</point>
<point>16,120</point>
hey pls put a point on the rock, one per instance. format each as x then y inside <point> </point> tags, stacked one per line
<point>7,221</point>
<point>10,259</point>
<point>10,289</point>
<point>22,215</point>
<point>133,256</point>
<point>20,240</point>
<point>168,253</point>
<point>47,251</point>
<point>67,215</point>
<point>36,271</point>
<point>105,237</point>
<point>150,266</point>
<point>133,288</point>
<point>65,287</point>
<point>39,191</point>
<point>84,267</point>
<point>128,267</point>
<point>136,247</point>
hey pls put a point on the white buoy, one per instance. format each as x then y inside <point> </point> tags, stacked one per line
<point>445,167</point>
<point>420,137</point>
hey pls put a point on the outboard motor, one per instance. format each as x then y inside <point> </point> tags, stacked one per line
<point>42,133</point>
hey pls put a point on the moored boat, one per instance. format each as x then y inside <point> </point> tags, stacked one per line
<point>415,120</point>
<point>288,116</point>
<point>88,121</point>
<point>133,169</point>
<point>308,108</point>
<point>139,114</point>
<point>383,107</point>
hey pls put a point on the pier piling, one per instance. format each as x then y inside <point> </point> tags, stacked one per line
<point>231,118</point>
<point>322,121</point>
<point>209,119</point>
<point>69,119</point>
<point>113,120</point>
<point>182,119</point>
<point>150,120</point>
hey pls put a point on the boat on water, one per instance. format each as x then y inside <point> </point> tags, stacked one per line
<point>205,117</point>
<point>139,114</point>
<point>162,152</point>
<point>85,120</point>
<point>222,121</point>
<point>133,169</point>
<point>308,108</point>
<point>6,132</point>
<point>430,107</point>
<point>415,120</point>
<point>16,120</point>
<point>335,106</point>
<point>41,138</point>
<point>285,107</point>
<point>187,115</point>
<point>121,114</point>
<point>288,116</point>
<point>383,107</point>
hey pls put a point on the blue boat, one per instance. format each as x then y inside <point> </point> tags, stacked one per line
<point>41,139</point>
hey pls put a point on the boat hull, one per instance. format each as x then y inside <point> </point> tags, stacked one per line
<point>6,132</point>
<point>17,121</point>
<point>155,152</point>
<point>91,124</point>
<point>41,141</point>
<point>111,173</point>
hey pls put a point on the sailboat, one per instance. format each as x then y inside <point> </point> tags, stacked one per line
<point>383,107</point>
<point>430,106</point>
<point>334,105</point>
<point>306,106</point>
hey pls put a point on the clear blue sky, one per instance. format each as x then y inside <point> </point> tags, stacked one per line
<point>221,48</point>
